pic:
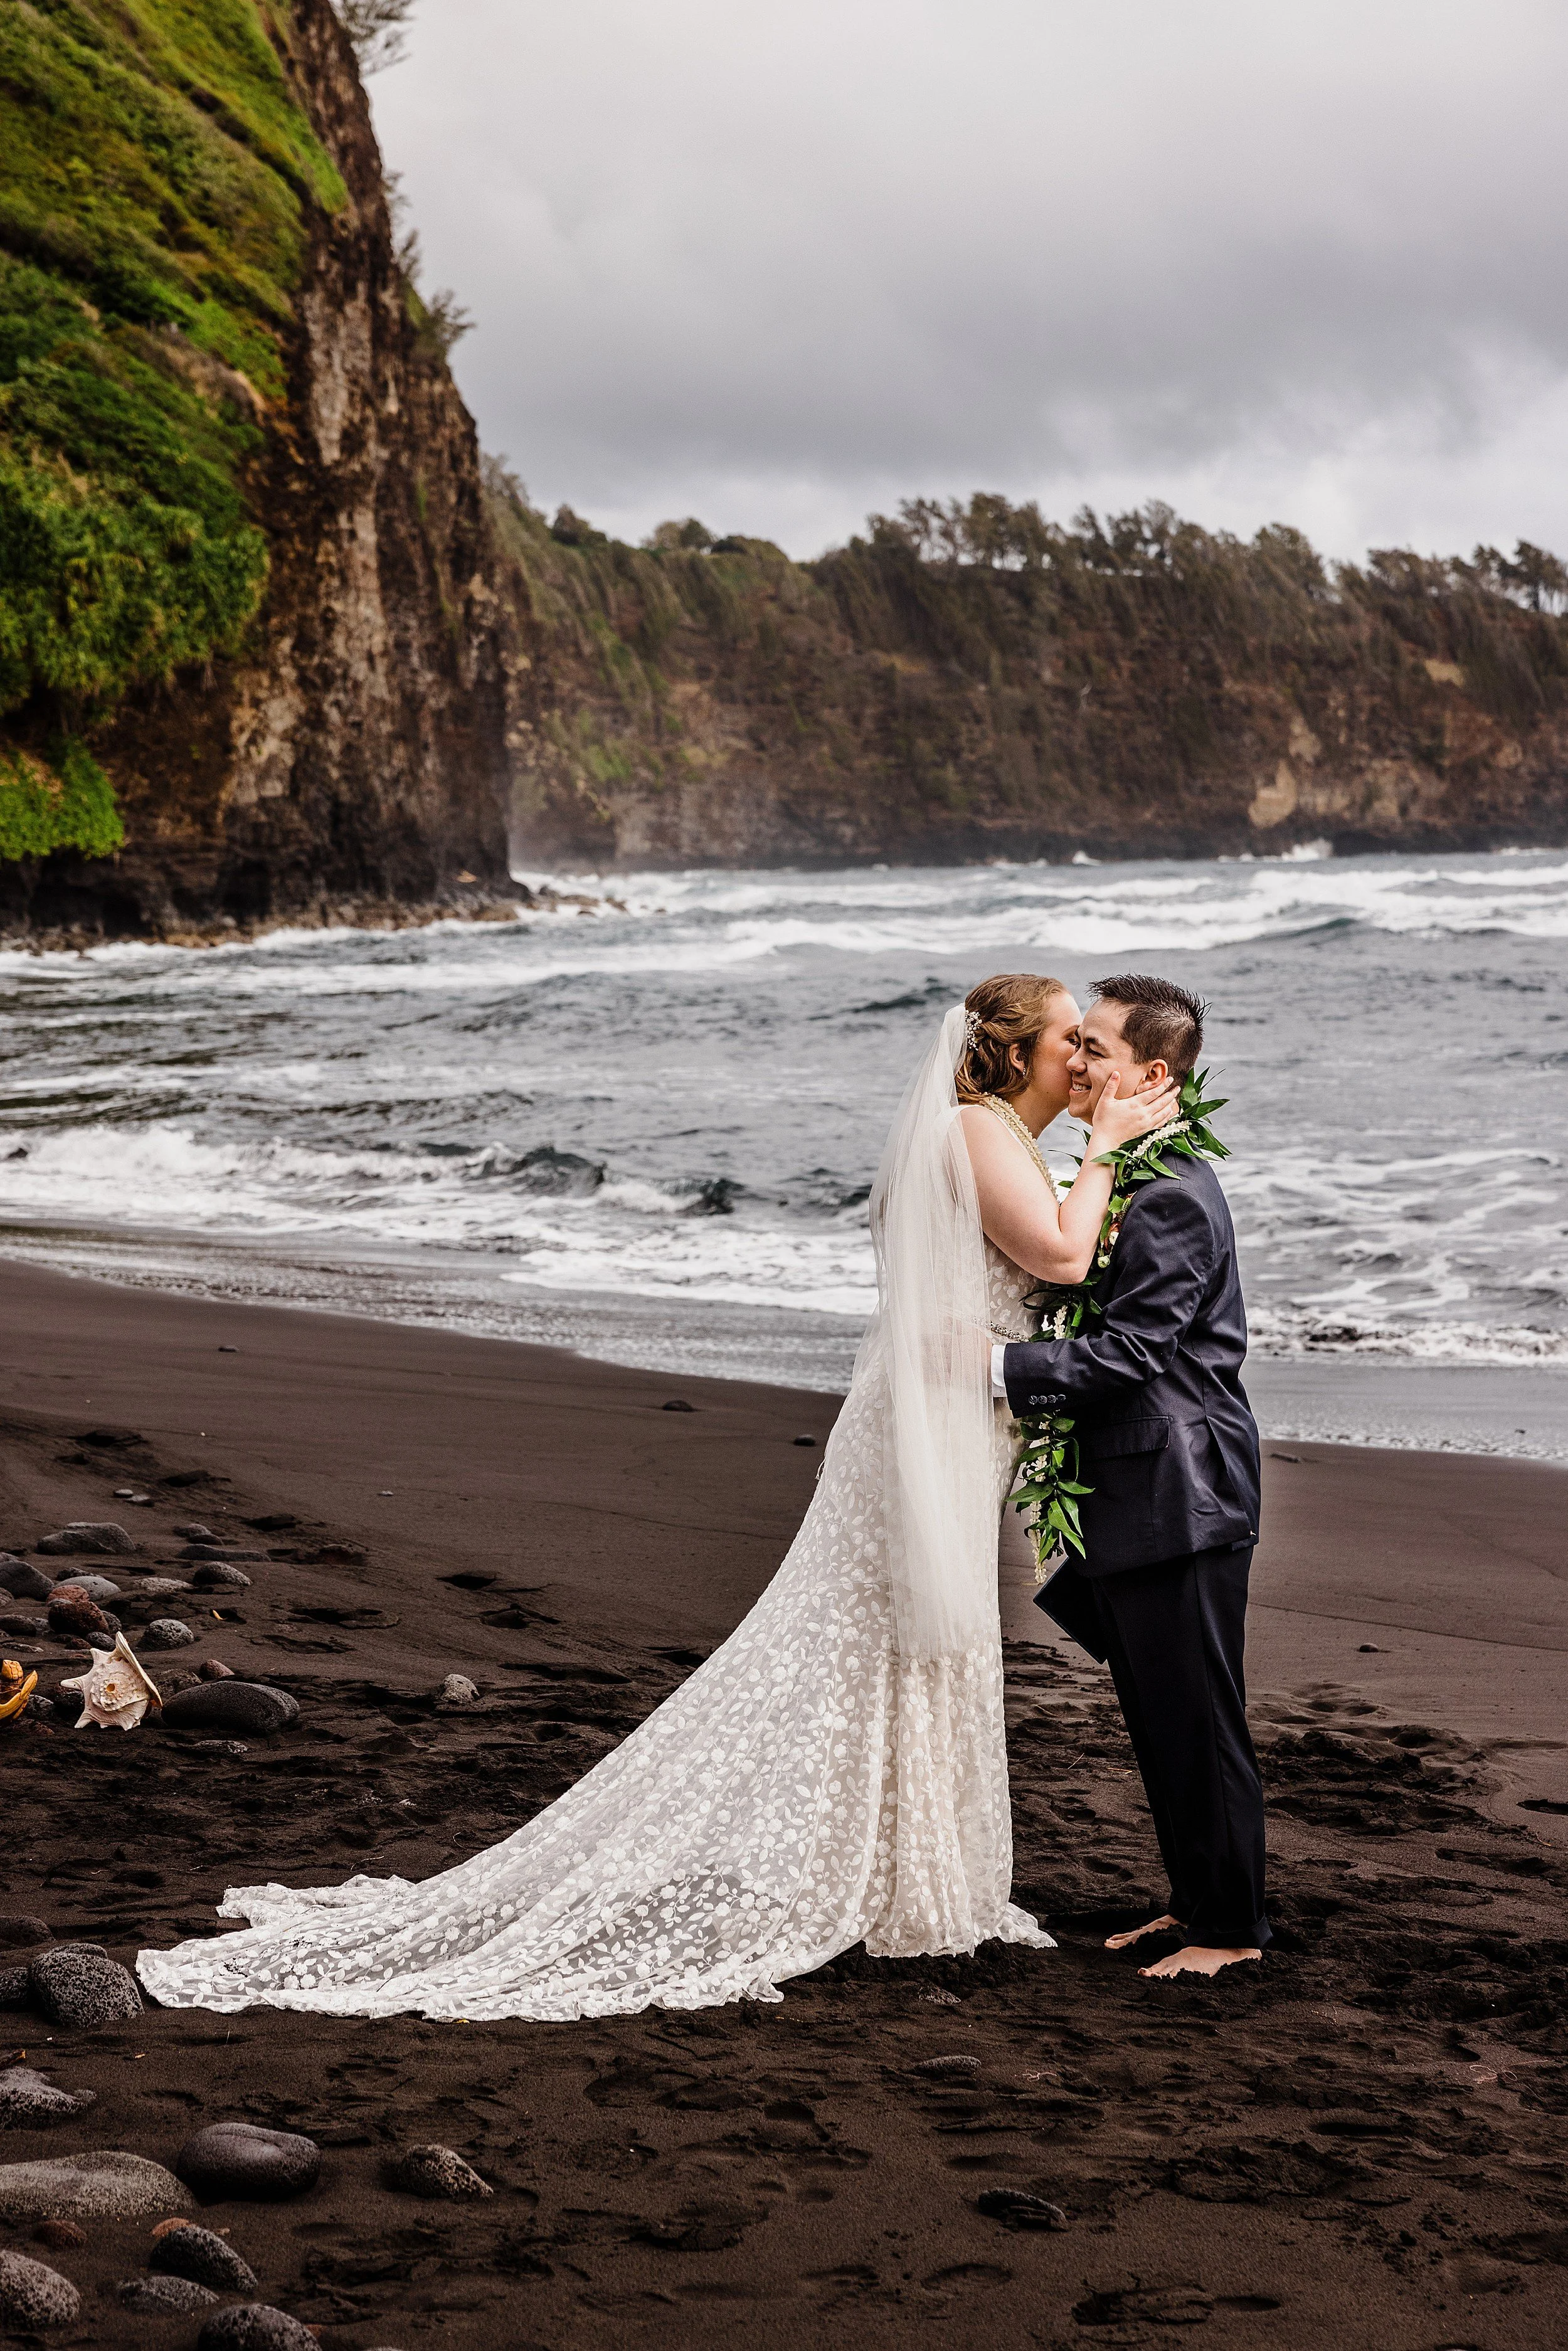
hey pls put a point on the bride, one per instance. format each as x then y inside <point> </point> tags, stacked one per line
<point>836,1773</point>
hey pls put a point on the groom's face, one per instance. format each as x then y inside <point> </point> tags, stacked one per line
<point>1101,1048</point>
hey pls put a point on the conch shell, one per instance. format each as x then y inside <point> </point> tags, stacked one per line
<point>118,1691</point>
<point>15,1688</point>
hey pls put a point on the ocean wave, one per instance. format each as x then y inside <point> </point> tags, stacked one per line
<point>1283,1330</point>
<point>682,1102</point>
<point>705,923</point>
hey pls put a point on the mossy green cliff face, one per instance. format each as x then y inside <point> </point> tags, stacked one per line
<point>1140,687</point>
<point>249,660</point>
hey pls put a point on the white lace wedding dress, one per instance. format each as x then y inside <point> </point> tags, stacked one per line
<point>809,1787</point>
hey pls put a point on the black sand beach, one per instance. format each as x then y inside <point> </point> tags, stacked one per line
<point>1361,2140</point>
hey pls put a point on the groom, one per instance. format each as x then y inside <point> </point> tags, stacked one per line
<point>1168,1441</point>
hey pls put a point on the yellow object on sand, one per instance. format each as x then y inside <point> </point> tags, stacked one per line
<point>15,1690</point>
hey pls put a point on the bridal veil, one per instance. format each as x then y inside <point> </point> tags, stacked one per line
<point>834,1773</point>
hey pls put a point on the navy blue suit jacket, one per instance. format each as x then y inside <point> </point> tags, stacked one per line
<point>1165,1435</point>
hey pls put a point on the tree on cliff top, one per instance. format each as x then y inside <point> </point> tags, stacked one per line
<point>377,29</point>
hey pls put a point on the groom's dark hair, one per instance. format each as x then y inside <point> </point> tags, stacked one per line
<point>1160,1021</point>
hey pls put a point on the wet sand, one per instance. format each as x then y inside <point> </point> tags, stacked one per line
<point>1359,2140</point>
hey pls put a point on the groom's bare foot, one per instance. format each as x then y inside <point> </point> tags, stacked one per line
<point>1166,1926</point>
<point>1199,1959</point>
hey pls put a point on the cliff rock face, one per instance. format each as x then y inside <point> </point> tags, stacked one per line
<point>1140,690</point>
<point>345,745</point>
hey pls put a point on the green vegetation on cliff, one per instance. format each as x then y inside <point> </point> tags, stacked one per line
<point>155,174</point>
<point>970,680</point>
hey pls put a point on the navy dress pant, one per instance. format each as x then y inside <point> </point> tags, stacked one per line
<point>1174,1636</point>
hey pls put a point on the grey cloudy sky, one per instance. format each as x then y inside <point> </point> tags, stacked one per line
<point>779,262</point>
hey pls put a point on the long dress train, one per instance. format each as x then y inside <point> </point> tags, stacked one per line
<point>807,1788</point>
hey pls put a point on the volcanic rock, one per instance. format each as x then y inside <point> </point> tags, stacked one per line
<point>32,2295</point>
<point>456,1693</point>
<point>24,1581</point>
<point>220,1575</point>
<point>166,2297</point>
<point>195,1533</point>
<point>953,2069</point>
<point>160,1587</point>
<point>437,2171</point>
<point>18,1926</point>
<point>106,2184</point>
<point>72,1612</point>
<point>28,2099</point>
<point>84,1535</point>
<point>167,1633</point>
<point>1019,2210</point>
<point>231,1706</point>
<point>61,2235</point>
<point>30,1627</point>
<point>197,2253</point>
<point>75,1984</point>
<point>245,2159</point>
<point>14,1989</point>
<point>255,2326</point>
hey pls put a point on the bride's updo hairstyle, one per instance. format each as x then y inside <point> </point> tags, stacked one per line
<point>1014,1008</point>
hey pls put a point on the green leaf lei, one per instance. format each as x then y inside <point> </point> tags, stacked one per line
<point>1049,1490</point>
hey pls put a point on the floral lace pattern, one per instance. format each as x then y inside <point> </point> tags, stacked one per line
<point>806,1789</point>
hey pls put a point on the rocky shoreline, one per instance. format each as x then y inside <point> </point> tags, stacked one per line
<point>479,904</point>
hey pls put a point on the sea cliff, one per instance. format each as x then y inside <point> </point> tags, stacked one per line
<point>251,663</point>
<point>1138,687</point>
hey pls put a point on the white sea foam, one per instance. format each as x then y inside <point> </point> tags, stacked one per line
<point>717,1061</point>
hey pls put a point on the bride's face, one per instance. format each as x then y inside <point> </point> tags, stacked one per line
<point>1054,1048</point>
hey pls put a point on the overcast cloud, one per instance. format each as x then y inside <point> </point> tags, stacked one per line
<point>780,262</point>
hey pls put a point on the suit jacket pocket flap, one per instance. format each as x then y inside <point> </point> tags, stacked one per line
<point>1127,1437</point>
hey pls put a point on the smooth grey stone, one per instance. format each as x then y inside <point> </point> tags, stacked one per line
<point>33,2295</point>
<point>21,1927</point>
<point>230,1706</point>
<point>105,2184</point>
<point>246,2159</point>
<point>22,1582</point>
<point>457,1692</point>
<point>76,1985</point>
<point>255,2326</point>
<point>167,1633</point>
<point>198,2254</point>
<point>167,2297</point>
<point>219,1575</point>
<point>84,1535</point>
<point>195,1533</point>
<point>28,2099</point>
<point>438,2171</point>
<point>96,1587</point>
<point>32,1627</point>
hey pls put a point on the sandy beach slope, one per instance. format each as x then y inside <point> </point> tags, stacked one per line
<point>1360,2141</point>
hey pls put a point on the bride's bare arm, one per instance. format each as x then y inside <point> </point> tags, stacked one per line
<point>1019,1211</point>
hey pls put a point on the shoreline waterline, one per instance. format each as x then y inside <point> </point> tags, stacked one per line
<point>1509,1411</point>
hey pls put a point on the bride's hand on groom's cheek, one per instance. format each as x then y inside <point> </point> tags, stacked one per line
<point>1120,1120</point>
